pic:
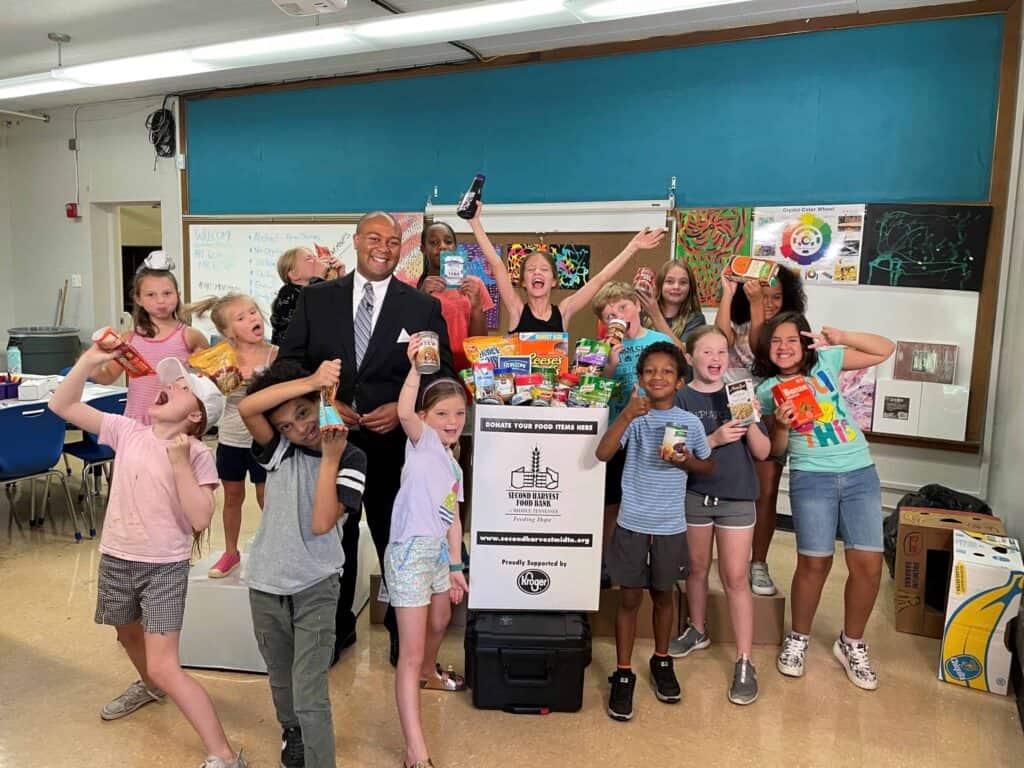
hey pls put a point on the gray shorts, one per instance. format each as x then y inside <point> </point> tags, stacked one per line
<point>704,510</point>
<point>128,591</point>
<point>646,561</point>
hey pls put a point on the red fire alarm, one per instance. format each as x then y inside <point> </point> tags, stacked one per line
<point>71,210</point>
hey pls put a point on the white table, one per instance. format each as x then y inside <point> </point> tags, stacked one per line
<point>90,392</point>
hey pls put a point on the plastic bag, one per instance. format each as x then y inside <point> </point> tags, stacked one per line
<point>220,365</point>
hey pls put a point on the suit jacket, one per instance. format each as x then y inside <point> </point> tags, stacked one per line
<point>322,329</point>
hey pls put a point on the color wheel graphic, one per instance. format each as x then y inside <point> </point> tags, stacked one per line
<point>806,239</point>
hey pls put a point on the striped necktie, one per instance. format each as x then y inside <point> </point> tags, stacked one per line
<point>364,323</point>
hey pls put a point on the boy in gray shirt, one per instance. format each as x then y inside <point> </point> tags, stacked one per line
<point>314,479</point>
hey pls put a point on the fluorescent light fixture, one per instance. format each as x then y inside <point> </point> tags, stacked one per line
<point>32,85</point>
<point>153,66</point>
<point>477,17</point>
<point>602,10</point>
<point>323,41</point>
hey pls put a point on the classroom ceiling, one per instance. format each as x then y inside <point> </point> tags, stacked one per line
<point>109,29</point>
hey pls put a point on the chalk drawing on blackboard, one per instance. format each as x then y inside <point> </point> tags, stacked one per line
<point>925,246</point>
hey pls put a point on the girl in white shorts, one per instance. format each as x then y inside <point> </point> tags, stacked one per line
<point>422,578</point>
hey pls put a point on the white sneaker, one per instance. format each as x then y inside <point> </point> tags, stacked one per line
<point>135,696</point>
<point>791,657</point>
<point>854,658</point>
<point>761,581</point>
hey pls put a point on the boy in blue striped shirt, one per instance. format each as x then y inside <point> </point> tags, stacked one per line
<point>663,444</point>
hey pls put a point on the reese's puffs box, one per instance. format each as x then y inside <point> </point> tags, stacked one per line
<point>545,349</point>
<point>798,392</point>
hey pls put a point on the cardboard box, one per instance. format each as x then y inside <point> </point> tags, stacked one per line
<point>769,613</point>
<point>924,546</point>
<point>602,623</point>
<point>984,596</point>
<point>379,607</point>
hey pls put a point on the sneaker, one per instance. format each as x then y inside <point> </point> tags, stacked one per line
<point>761,581</point>
<point>691,640</point>
<point>136,695</point>
<point>620,703</point>
<point>218,762</point>
<point>791,657</point>
<point>744,683</point>
<point>293,751</point>
<point>854,658</point>
<point>224,566</point>
<point>663,673</point>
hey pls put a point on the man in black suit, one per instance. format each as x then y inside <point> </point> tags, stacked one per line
<point>365,319</point>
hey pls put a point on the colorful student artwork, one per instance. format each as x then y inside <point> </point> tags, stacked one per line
<point>572,262</point>
<point>706,238</point>
<point>925,361</point>
<point>926,246</point>
<point>821,242</point>
<point>410,263</point>
<point>477,266</point>
<point>858,389</point>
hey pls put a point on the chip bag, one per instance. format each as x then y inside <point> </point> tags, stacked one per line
<point>591,356</point>
<point>128,357</point>
<point>220,365</point>
<point>487,349</point>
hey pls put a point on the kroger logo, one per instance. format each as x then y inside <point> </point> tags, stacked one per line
<point>533,582</point>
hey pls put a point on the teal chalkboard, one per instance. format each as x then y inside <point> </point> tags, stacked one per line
<point>894,113</point>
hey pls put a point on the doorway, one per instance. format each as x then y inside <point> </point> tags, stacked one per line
<point>140,234</point>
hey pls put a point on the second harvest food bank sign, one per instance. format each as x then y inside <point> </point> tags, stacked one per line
<point>538,507</point>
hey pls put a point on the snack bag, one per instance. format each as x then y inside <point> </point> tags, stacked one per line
<point>488,349</point>
<point>743,268</point>
<point>486,387</point>
<point>596,391</point>
<point>323,253</point>
<point>330,419</point>
<point>128,357</point>
<point>466,376</point>
<point>220,365</point>
<point>741,401</point>
<point>590,357</point>
<point>798,392</point>
<point>546,350</point>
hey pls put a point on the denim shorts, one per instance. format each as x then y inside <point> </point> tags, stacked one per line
<point>824,502</point>
<point>416,570</point>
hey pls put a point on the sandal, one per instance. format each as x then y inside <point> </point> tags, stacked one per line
<point>444,681</point>
<point>419,764</point>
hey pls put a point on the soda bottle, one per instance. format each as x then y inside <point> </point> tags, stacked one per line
<point>470,200</point>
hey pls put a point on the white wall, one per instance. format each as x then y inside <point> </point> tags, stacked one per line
<point>6,262</point>
<point>115,166</point>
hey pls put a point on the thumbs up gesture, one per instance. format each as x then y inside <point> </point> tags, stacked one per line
<point>637,405</point>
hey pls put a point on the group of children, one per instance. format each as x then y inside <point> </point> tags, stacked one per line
<point>661,522</point>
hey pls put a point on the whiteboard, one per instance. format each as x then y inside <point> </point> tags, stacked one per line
<point>242,258</point>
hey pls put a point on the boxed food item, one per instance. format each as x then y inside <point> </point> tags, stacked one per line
<point>798,392</point>
<point>489,349</point>
<point>984,595</point>
<point>220,365</point>
<point>742,400</point>
<point>128,357</point>
<point>518,364</point>
<point>545,350</point>
<point>924,561</point>
<point>744,268</point>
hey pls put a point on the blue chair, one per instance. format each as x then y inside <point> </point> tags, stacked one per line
<point>94,456</point>
<point>33,441</point>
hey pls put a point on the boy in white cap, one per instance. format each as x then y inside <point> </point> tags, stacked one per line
<point>161,500</point>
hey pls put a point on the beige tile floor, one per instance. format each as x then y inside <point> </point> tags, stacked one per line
<point>57,669</point>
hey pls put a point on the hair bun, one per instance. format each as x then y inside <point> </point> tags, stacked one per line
<point>158,260</point>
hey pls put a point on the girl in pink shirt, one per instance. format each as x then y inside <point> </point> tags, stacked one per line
<point>159,333</point>
<point>161,498</point>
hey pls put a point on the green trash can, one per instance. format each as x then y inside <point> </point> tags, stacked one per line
<point>45,349</point>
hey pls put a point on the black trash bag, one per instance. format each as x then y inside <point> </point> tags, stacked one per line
<point>932,496</point>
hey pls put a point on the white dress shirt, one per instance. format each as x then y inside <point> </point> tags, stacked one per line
<point>380,289</point>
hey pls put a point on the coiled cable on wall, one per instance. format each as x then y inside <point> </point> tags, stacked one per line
<point>160,125</point>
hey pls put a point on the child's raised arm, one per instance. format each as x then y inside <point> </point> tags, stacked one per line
<point>407,416</point>
<point>67,400</point>
<point>509,296</point>
<point>863,350</point>
<point>253,408</point>
<point>644,240</point>
<point>723,317</point>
